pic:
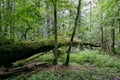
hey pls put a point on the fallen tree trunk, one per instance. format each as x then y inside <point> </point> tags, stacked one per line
<point>17,51</point>
<point>5,73</point>
<point>23,61</point>
<point>90,44</point>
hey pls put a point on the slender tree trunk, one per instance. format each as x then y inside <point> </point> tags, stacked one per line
<point>119,25</point>
<point>91,24</point>
<point>55,33</point>
<point>48,19</point>
<point>38,3</point>
<point>112,39</point>
<point>12,12</point>
<point>0,17</point>
<point>24,30</point>
<point>52,19</point>
<point>73,34</point>
<point>5,13</point>
<point>119,18</point>
<point>101,37</point>
<point>14,19</point>
<point>101,34</point>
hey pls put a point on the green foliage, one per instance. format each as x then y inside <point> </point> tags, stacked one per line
<point>85,65</point>
<point>69,74</point>
<point>45,75</point>
<point>4,41</point>
<point>94,57</point>
<point>87,56</point>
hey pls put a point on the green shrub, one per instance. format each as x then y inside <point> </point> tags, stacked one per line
<point>94,57</point>
<point>87,56</point>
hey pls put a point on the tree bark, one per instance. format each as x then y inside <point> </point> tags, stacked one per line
<point>5,5</point>
<point>48,19</point>
<point>119,25</point>
<point>101,37</point>
<point>12,23</point>
<point>55,34</point>
<point>0,17</point>
<point>119,19</point>
<point>101,34</point>
<point>91,24</point>
<point>73,34</point>
<point>112,39</point>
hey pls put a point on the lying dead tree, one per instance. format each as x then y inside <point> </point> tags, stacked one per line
<point>8,72</point>
<point>91,45</point>
<point>10,53</point>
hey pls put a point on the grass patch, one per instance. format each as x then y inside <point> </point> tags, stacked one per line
<point>71,74</point>
<point>86,65</point>
<point>93,57</point>
<point>86,57</point>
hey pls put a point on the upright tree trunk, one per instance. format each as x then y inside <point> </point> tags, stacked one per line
<point>119,25</point>
<point>24,31</point>
<point>48,20</point>
<point>119,18</point>
<point>12,23</point>
<point>101,37</point>
<point>7,17</point>
<point>73,34</point>
<point>0,17</point>
<point>4,16</point>
<point>91,24</point>
<point>112,39</point>
<point>101,34</point>
<point>55,33</point>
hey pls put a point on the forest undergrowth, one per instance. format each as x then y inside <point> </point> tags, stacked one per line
<point>84,65</point>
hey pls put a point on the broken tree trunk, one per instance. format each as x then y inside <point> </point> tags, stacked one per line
<point>8,72</point>
<point>13,52</point>
<point>23,61</point>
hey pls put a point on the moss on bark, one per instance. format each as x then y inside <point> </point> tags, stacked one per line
<point>10,53</point>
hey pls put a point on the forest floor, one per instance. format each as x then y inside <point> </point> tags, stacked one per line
<point>87,65</point>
